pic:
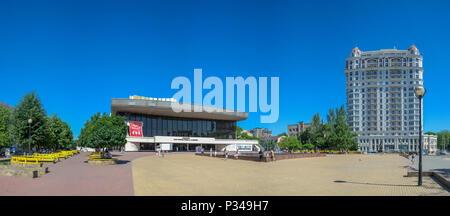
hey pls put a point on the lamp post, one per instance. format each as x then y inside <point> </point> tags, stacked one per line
<point>420,92</point>
<point>30,121</point>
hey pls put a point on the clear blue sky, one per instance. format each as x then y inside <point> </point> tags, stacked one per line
<point>78,55</point>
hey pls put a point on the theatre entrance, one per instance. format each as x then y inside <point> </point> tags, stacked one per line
<point>147,147</point>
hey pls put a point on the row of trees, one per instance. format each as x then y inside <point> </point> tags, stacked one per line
<point>47,132</point>
<point>443,139</point>
<point>332,135</point>
<point>103,131</point>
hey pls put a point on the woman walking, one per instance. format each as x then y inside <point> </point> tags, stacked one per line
<point>413,160</point>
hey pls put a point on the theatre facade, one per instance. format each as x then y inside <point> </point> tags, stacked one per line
<point>153,124</point>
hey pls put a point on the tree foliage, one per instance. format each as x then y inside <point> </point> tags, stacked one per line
<point>103,131</point>
<point>290,143</point>
<point>443,139</point>
<point>240,135</point>
<point>334,134</point>
<point>283,134</point>
<point>60,134</point>
<point>30,107</point>
<point>5,120</point>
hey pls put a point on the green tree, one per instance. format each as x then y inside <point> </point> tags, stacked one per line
<point>30,107</point>
<point>319,132</point>
<point>341,137</point>
<point>5,120</point>
<point>282,134</point>
<point>308,146</point>
<point>60,134</point>
<point>334,134</point>
<point>306,136</point>
<point>290,143</point>
<point>443,139</point>
<point>240,135</point>
<point>103,131</point>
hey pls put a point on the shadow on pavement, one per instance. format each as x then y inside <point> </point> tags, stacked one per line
<point>123,161</point>
<point>366,183</point>
<point>445,171</point>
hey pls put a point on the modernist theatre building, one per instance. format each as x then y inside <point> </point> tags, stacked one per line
<point>157,124</point>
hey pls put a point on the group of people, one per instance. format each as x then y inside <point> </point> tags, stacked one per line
<point>159,152</point>
<point>106,155</point>
<point>270,154</point>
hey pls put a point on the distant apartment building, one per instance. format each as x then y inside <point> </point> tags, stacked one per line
<point>296,129</point>
<point>381,104</point>
<point>247,132</point>
<point>261,132</point>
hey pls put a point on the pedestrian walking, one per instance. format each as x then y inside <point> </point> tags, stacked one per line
<point>210,152</point>
<point>260,155</point>
<point>273,155</point>
<point>215,153</point>
<point>237,154</point>
<point>413,160</point>
<point>226,154</point>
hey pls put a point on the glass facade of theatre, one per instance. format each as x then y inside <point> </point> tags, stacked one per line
<point>186,127</point>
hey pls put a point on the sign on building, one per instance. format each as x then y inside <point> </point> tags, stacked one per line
<point>166,147</point>
<point>135,128</point>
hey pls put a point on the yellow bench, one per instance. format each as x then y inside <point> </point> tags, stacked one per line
<point>68,153</point>
<point>46,157</point>
<point>24,160</point>
<point>60,155</point>
<point>101,159</point>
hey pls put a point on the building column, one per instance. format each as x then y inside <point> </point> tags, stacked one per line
<point>396,145</point>
<point>130,146</point>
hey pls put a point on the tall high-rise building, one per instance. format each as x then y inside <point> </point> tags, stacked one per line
<point>382,107</point>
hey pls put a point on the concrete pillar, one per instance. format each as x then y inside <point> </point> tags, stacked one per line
<point>130,146</point>
<point>396,145</point>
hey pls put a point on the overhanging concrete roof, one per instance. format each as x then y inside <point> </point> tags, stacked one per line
<point>164,108</point>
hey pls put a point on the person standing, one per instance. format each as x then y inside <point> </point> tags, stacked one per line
<point>272,155</point>
<point>260,155</point>
<point>237,154</point>
<point>210,152</point>
<point>215,153</point>
<point>226,154</point>
<point>413,160</point>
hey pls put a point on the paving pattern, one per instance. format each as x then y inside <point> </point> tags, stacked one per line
<point>74,177</point>
<point>142,173</point>
<point>187,174</point>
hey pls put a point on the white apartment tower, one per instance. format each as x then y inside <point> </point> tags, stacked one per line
<point>382,107</point>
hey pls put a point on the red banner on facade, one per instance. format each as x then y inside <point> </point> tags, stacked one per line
<point>135,128</point>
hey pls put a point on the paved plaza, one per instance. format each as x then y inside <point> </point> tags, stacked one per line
<point>143,173</point>
<point>74,177</point>
<point>435,162</point>
<point>187,174</point>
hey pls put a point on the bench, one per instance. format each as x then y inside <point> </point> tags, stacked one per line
<point>25,160</point>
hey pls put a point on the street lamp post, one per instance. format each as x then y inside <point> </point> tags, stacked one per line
<point>30,121</point>
<point>420,92</point>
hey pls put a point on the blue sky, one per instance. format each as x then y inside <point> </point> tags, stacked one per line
<point>78,55</point>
